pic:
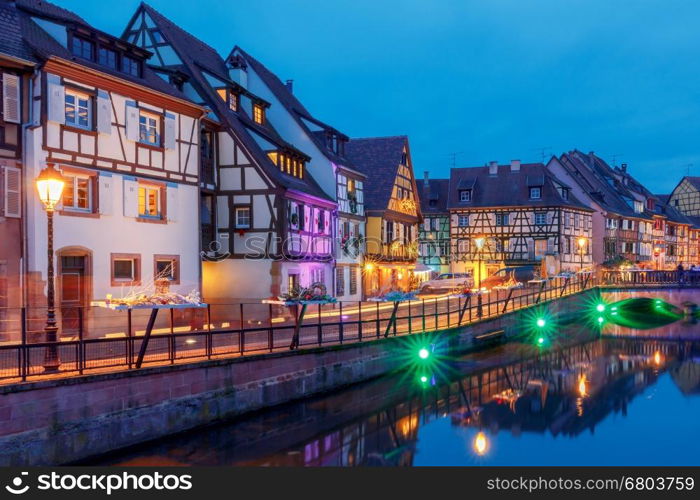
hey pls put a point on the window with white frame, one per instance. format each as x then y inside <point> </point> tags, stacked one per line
<point>77,193</point>
<point>465,195</point>
<point>78,109</point>
<point>463,221</point>
<point>242,219</point>
<point>535,193</point>
<point>540,218</point>
<point>149,129</point>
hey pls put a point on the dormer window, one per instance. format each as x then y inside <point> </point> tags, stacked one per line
<point>108,57</point>
<point>287,164</point>
<point>258,114</point>
<point>565,194</point>
<point>81,48</point>
<point>465,195</point>
<point>131,66</point>
<point>535,193</point>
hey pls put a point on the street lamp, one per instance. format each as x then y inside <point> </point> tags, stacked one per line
<point>50,184</point>
<point>581,245</point>
<point>479,242</point>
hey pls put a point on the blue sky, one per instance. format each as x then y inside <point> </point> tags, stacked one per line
<point>487,79</point>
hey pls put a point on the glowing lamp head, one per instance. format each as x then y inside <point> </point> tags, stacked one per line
<point>481,444</point>
<point>424,353</point>
<point>600,308</point>
<point>49,185</point>
<point>541,322</point>
<point>479,242</point>
<point>581,242</point>
<point>369,267</point>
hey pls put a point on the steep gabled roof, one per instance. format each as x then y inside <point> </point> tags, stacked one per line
<point>295,108</point>
<point>379,159</point>
<point>12,42</point>
<point>433,197</point>
<point>604,184</point>
<point>44,46</point>
<point>508,188</point>
<point>197,56</point>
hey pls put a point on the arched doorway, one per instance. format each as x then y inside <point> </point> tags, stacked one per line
<point>74,287</point>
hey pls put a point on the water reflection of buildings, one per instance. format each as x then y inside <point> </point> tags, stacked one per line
<point>562,392</point>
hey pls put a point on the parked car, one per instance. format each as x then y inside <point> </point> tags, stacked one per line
<point>446,282</point>
<point>521,274</point>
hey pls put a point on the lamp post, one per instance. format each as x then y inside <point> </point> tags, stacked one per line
<point>581,246</point>
<point>479,242</point>
<point>50,184</point>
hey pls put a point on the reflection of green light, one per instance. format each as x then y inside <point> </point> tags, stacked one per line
<point>423,353</point>
<point>424,379</point>
<point>600,319</point>
<point>600,308</point>
<point>613,308</point>
<point>541,322</point>
<point>540,340</point>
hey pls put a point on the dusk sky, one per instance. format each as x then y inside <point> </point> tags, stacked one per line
<point>486,79</point>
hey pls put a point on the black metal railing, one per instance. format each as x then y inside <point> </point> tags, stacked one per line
<point>107,340</point>
<point>635,278</point>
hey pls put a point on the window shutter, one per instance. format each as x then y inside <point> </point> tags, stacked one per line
<point>169,138</point>
<point>13,188</point>
<point>104,113</point>
<point>131,197</point>
<point>171,205</point>
<point>105,193</point>
<point>56,100</point>
<point>132,121</point>
<point>327,223</point>
<point>10,98</point>
<point>307,221</point>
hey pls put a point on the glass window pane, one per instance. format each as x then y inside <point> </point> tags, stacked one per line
<point>124,269</point>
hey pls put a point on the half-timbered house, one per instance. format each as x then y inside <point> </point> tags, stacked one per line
<point>325,147</point>
<point>434,247</point>
<point>626,220</point>
<point>16,66</point>
<point>392,209</point>
<point>126,144</point>
<point>522,213</point>
<point>273,221</point>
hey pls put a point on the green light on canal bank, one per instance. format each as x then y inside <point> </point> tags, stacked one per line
<point>600,308</point>
<point>424,353</point>
<point>541,322</point>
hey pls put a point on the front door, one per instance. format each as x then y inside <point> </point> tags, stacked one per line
<point>72,293</point>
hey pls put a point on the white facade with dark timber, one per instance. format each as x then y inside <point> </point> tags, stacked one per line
<point>127,147</point>
<point>269,222</point>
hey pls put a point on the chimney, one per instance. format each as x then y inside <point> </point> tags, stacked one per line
<point>515,165</point>
<point>426,183</point>
<point>290,86</point>
<point>623,167</point>
<point>493,168</point>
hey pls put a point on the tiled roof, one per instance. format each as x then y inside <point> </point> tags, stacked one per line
<point>11,41</point>
<point>609,187</point>
<point>196,56</point>
<point>433,200</point>
<point>508,188</point>
<point>45,46</point>
<point>695,181</point>
<point>378,158</point>
<point>295,108</point>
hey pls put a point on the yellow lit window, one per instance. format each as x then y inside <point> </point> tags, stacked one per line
<point>301,170</point>
<point>273,156</point>
<point>222,93</point>
<point>149,201</point>
<point>258,114</point>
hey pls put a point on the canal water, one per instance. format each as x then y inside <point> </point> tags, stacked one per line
<point>587,401</point>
